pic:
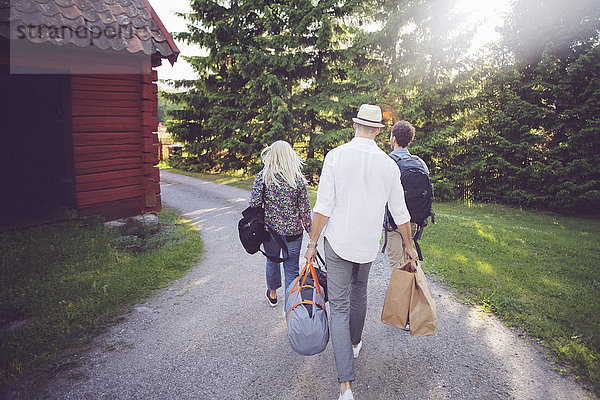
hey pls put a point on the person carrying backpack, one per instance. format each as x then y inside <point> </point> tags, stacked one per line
<point>281,187</point>
<point>418,192</point>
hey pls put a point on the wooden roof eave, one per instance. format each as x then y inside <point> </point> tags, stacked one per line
<point>172,57</point>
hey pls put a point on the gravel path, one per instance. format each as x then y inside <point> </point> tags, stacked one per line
<point>211,335</point>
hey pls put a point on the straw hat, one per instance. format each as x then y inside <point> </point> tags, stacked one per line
<point>369,115</point>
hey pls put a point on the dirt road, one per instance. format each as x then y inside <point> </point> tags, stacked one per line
<point>212,335</point>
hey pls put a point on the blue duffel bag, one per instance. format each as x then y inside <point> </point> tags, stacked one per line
<point>307,326</point>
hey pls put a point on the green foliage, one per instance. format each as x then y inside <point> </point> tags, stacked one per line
<point>191,164</point>
<point>312,169</point>
<point>164,106</point>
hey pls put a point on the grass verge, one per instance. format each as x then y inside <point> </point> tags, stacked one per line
<point>538,272</point>
<point>63,283</point>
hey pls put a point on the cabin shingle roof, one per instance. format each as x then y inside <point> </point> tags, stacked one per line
<point>135,26</point>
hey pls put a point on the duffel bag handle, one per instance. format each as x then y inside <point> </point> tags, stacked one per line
<point>309,268</point>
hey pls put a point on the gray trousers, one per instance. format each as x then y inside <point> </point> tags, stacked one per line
<point>347,290</point>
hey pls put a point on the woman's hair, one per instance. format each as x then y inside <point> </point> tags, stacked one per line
<point>403,132</point>
<point>280,159</point>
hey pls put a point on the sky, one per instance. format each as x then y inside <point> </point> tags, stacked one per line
<point>166,10</point>
<point>488,12</point>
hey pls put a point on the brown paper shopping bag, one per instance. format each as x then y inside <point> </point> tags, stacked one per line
<point>397,299</point>
<point>422,313</point>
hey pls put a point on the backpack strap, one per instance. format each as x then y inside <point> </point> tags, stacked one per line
<point>281,243</point>
<point>397,159</point>
<point>385,241</point>
<point>417,237</point>
<point>320,262</point>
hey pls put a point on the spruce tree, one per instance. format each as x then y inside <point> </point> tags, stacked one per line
<point>425,75</point>
<point>274,71</point>
<point>542,114</point>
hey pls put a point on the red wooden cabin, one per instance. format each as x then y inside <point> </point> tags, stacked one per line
<point>78,133</point>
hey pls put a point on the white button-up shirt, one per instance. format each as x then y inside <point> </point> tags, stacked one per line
<point>356,182</point>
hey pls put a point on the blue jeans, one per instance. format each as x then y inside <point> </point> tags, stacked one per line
<point>290,266</point>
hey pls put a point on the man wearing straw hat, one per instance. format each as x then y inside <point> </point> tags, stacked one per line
<point>357,181</point>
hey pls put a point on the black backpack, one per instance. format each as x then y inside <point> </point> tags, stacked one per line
<point>418,195</point>
<point>252,229</point>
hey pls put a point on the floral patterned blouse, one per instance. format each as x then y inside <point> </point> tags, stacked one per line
<point>286,208</point>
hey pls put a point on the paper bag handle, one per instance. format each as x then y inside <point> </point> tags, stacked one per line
<point>410,266</point>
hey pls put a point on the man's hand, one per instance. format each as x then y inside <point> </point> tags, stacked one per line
<point>411,253</point>
<point>310,254</point>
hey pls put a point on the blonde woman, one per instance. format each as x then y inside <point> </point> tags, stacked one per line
<point>287,211</point>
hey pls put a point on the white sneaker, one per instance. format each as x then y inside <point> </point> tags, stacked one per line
<point>356,350</point>
<point>347,395</point>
